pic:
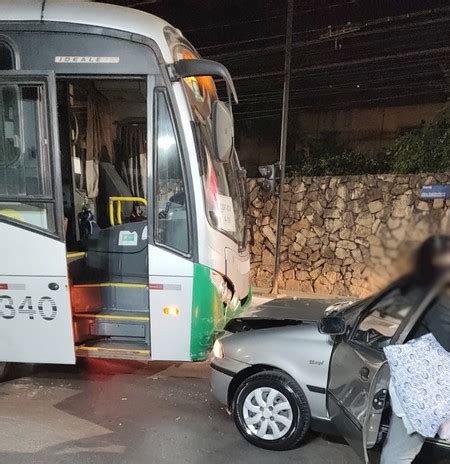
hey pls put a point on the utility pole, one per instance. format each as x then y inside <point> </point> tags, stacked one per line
<point>283,142</point>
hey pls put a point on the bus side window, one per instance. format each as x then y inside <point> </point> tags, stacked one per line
<point>170,198</point>
<point>25,186</point>
<point>6,57</point>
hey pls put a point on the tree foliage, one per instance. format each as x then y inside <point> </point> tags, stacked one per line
<point>425,149</point>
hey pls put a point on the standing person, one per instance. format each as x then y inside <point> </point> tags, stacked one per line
<point>403,442</point>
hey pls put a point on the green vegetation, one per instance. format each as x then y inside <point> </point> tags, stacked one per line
<point>425,149</point>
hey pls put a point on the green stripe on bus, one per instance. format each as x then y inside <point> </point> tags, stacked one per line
<point>207,313</point>
<point>209,316</point>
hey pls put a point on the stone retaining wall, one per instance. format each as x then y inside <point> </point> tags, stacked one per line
<point>343,235</point>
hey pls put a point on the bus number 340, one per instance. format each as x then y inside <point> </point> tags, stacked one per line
<point>46,308</point>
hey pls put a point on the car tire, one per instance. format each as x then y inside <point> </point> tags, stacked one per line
<point>271,411</point>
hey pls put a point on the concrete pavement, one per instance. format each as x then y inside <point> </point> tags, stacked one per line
<point>114,412</point>
<point>109,412</point>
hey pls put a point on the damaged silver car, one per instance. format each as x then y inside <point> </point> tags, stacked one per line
<point>281,378</point>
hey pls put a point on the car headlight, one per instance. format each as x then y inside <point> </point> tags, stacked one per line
<point>218,349</point>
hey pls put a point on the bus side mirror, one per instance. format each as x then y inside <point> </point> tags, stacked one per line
<point>223,133</point>
<point>333,325</point>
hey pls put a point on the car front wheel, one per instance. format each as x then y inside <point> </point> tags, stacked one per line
<point>271,411</point>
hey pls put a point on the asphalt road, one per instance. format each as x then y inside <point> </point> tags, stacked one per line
<point>104,412</point>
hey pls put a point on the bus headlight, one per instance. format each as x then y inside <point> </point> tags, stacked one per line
<point>218,349</point>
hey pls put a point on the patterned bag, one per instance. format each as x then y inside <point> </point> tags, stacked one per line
<point>420,374</point>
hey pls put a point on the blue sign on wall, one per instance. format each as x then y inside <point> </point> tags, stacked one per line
<point>431,192</point>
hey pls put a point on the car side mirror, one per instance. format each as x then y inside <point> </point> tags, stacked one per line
<point>223,133</point>
<point>333,325</point>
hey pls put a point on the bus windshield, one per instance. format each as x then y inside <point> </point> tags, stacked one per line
<point>222,182</point>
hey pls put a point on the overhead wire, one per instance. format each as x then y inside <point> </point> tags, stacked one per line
<point>378,21</point>
<point>332,106</point>
<point>251,21</point>
<point>319,66</point>
<point>236,56</point>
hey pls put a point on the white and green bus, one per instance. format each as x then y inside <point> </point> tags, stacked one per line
<point>122,201</point>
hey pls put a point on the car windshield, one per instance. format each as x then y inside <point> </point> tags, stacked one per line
<point>222,182</point>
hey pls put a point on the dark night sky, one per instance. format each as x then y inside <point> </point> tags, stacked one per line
<point>346,52</point>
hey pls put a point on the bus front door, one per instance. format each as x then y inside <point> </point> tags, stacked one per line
<point>35,314</point>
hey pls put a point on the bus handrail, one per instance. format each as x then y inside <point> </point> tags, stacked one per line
<point>119,201</point>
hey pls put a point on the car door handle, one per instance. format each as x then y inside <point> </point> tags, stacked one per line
<point>364,373</point>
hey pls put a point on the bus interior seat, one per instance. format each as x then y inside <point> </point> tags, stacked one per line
<point>111,184</point>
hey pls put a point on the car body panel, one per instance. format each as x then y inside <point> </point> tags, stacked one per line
<point>220,383</point>
<point>304,309</point>
<point>338,307</point>
<point>222,373</point>
<point>306,359</point>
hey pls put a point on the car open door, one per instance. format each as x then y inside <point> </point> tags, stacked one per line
<point>356,394</point>
<point>35,313</point>
<point>359,373</point>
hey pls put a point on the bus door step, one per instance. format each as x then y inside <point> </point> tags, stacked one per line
<point>106,349</point>
<point>95,297</point>
<point>110,323</point>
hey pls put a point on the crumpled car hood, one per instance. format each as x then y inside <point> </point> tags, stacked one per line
<point>245,324</point>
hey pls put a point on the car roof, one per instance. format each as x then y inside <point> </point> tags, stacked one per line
<point>91,14</point>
